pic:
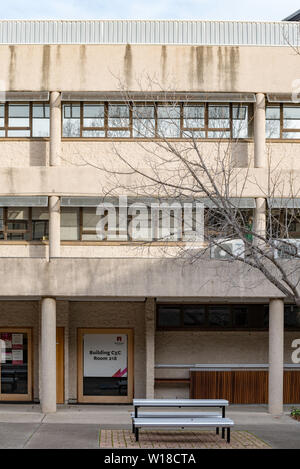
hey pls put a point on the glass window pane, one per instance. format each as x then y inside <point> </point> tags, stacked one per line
<point>168,112</point>
<point>90,219</point>
<point>272,128</point>
<point>291,316</point>
<point>240,316</point>
<point>167,128</point>
<point>18,133</point>
<point>18,115</point>
<point>40,230</point>
<point>13,363</point>
<point>273,112</point>
<point>219,316</point>
<point>143,128</point>
<point>220,134</point>
<point>193,112</point>
<point>40,213</point>
<point>118,133</point>
<point>93,133</point>
<point>218,112</point>
<point>291,112</point>
<point>291,135</point>
<point>16,213</point>
<point>193,315</point>
<point>2,110</point>
<point>169,317</point>
<point>193,134</point>
<point>69,227</point>
<point>143,112</point>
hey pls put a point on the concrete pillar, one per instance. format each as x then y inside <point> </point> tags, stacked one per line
<point>54,227</point>
<point>150,311</point>
<point>276,334</point>
<point>48,362</point>
<point>55,128</point>
<point>260,160</point>
<point>260,226</point>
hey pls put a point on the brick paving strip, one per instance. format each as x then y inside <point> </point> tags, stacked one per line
<point>119,439</point>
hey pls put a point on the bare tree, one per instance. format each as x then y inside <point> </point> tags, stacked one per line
<point>175,163</point>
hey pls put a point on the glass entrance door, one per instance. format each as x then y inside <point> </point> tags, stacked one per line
<point>15,364</point>
<point>105,363</point>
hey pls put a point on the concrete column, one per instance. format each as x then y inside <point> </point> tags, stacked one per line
<point>260,219</point>
<point>276,334</point>
<point>48,362</point>
<point>55,128</point>
<point>54,227</point>
<point>150,309</point>
<point>260,160</point>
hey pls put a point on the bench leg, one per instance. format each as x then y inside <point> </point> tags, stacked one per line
<point>132,426</point>
<point>228,435</point>
<point>217,431</point>
<point>223,432</point>
<point>136,430</point>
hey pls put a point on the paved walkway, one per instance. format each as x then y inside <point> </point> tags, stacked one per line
<point>118,439</point>
<point>81,426</point>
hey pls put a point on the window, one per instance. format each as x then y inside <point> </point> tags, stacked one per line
<point>155,120</point>
<point>69,224</point>
<point>118,121</point>
<point>24,120</point>
<point>273,122</point>
<point>291,122</point>
<point>71,120</point>
<point>40,223</point>
<point>24,224</point>
<point>143,121</point>
<point>283,223</point>
<point>221,317</point>
<point>283,121</point>
<point>17,227</point>
<point>93,120</point>
<point>40,120</point>
<point>168,121</point>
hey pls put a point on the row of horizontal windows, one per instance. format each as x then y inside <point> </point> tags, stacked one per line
<point>80,224</point>
<point>243,316</point>
<point>148,120</point>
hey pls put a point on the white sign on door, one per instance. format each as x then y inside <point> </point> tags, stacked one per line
<point>105,355</point>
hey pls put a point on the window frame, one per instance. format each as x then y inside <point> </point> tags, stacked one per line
<point>283,130</point>
<point>131,104</point>
<point>29,128</point>
<point>29,229</point>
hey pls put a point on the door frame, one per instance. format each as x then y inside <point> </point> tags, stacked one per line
<point>105,399</point>
<point>62,331</point>
<point>28,396</point>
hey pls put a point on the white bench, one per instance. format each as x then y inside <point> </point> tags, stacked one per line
<point>182,423</point>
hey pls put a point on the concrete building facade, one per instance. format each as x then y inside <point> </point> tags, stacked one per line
<point>84,320</point>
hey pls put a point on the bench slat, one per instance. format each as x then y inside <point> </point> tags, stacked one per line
<point>180,402</point>
<point>202,422</point>
<point>178,414</point>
